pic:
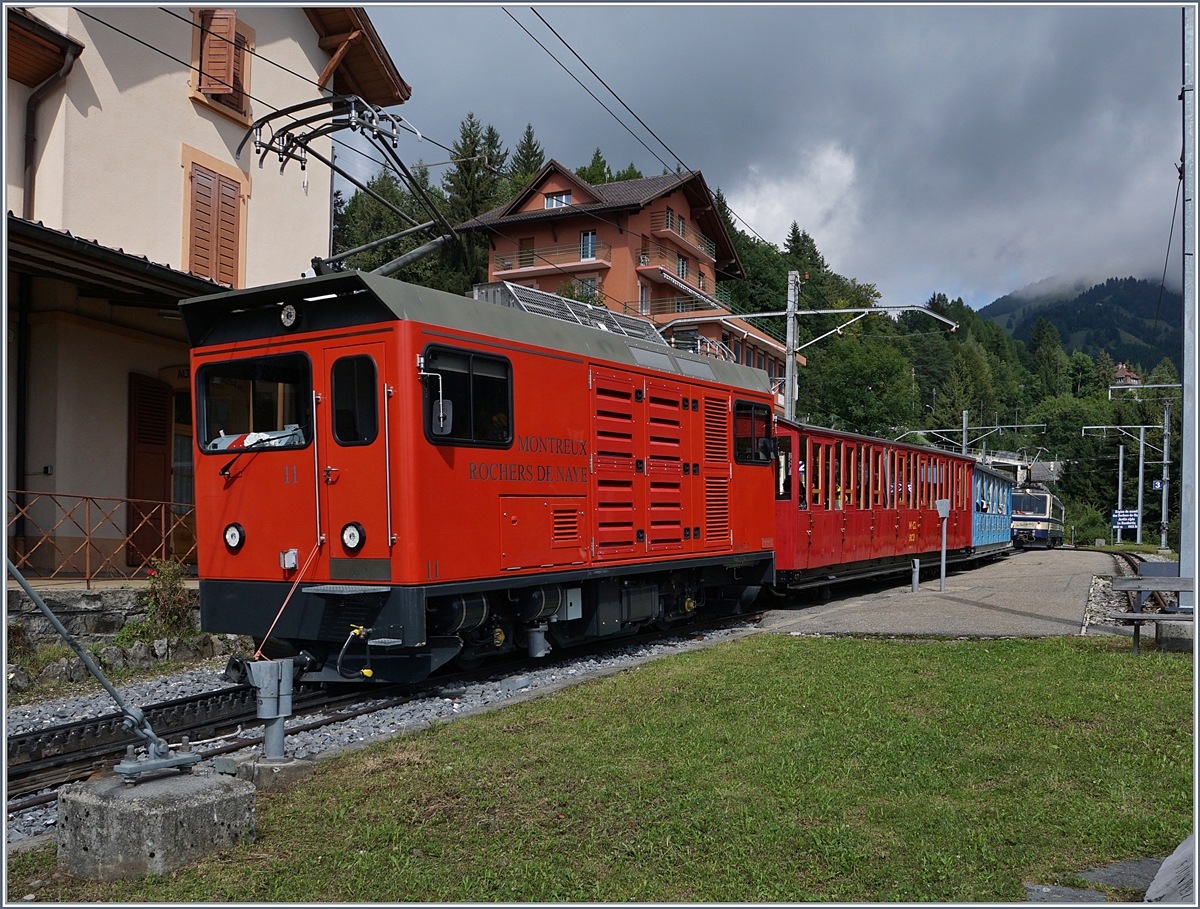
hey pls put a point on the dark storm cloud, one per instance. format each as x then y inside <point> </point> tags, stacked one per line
<point>965,150</point>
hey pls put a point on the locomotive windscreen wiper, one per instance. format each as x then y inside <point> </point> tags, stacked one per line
<point>278,437</point>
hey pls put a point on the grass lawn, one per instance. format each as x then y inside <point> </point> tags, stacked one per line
<point>774,768</point>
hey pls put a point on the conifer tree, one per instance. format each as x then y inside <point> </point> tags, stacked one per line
<point>527,159</point>
<point>597,171</point>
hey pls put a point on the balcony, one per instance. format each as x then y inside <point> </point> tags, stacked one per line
<point>541,260</point>
<point>668,306</point>
<point>667,224</point>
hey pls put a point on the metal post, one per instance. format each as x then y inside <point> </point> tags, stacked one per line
<point>790,366</point>
<point>916,577</point>
<point>942,586</point>
<point>1141,477</point>
<point>1187,460</point>
<point>964,451</point>
<point>1120,485</point>
<point>1166,477</point>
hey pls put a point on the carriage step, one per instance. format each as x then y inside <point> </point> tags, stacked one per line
<point>345,590</point>
<point>385,643</point>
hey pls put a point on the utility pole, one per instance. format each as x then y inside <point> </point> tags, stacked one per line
<point>1166,477</point>
<point>1187,94</point>
<point>1120,485</point>
<point>1141,478</point>
<point>789,383</point>
<point>964,442</point>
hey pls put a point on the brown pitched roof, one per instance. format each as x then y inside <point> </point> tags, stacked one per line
<point>619,196</point>
<point>365,68</point>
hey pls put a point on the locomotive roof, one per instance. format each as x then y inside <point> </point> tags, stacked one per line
<point>360,298</point>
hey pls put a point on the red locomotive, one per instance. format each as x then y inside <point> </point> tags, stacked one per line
<point>389,477</point>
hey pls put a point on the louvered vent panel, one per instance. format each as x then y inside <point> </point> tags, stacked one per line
<point>716,429</point>
<point>716,509</point>
<point>666,515</point>
<point>565,525</point>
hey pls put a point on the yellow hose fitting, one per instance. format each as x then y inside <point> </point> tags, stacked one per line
<point>358,631</point>
<point>498,637</point>
<point>367,673</point>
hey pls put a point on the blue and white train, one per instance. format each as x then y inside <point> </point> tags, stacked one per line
<point>1037,518</point>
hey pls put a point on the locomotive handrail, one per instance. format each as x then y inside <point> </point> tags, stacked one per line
<point>49,520</point>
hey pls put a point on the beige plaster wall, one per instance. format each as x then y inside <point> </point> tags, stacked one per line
<point>111,168</point>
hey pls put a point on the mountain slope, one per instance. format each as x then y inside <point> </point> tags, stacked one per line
<point>1123,316</point>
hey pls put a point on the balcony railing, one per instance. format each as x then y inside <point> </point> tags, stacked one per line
<point>56,535</point>
<point>552,256</point>
<point>666,306</point>
<point>669,221</point>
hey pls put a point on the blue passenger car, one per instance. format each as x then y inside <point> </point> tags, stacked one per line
<point>991,509</point>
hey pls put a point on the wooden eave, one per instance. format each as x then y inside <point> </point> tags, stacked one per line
<point>535,186</point>
<point>361,63</point>
<point>35,52</point>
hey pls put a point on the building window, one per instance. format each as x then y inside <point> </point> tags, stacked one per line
<point>643,299</point>
<point>558,200</point>
<point>670,219</point>
<point>587,245</point>
<point>214,226</point>
<point>737,351</point>
<point>681,267</point>
<point>761,360</point>
<point>700,278</point>
<point>221,55</point>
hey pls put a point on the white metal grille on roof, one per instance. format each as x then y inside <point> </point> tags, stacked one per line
<point>542,303</point>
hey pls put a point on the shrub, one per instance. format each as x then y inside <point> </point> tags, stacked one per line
<point>168,603</point>
<point>20,650</point>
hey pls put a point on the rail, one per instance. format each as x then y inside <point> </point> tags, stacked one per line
<point>61,535</point>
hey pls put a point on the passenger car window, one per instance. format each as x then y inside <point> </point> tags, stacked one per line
<point>355,408</point>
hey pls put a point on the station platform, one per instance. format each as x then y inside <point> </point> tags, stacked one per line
<point>1032,593</point>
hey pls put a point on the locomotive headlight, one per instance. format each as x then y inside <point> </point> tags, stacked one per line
<point>288,316</point>
<point>353,536</point>
<point>235,536</point>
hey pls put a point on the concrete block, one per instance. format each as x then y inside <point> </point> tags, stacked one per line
<point>109,831</point>
<point>275,774</point>
<point>1173,635</point>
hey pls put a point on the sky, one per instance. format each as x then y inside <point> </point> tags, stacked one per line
<point>967,150</point>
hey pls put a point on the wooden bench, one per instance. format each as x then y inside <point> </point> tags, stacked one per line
<point>1162,577</point>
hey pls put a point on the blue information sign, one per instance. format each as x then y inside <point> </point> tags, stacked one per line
<point>1157,484</point>
<point>1125,519</point>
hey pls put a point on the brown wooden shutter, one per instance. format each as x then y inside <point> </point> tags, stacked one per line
<point>218,51</point>
<point>148,466</point>
<point>215,226</point>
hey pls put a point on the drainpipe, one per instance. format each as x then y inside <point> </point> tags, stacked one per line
<point>72,51</point>
<point>21,417</point>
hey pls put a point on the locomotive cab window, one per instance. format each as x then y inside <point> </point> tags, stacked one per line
<point>355,411</point>
<point>752,442</point>
<point>264,402</point>
<point>783,469</point>
<point>468,398</point>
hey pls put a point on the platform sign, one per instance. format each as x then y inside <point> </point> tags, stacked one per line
<point>1158,485</point>
<point>1125,518</point>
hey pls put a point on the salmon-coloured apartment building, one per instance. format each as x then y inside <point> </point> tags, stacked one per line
<point>654,247</point>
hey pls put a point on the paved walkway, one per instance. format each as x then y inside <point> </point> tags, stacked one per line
<point>1031,593</point>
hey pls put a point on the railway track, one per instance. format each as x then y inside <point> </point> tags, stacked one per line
<point>1131,561</point>
<point>48,758</point>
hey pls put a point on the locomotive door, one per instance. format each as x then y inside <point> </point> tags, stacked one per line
<point>353,470</point>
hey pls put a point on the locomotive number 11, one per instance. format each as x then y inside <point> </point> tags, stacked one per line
<point>289,478</point>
